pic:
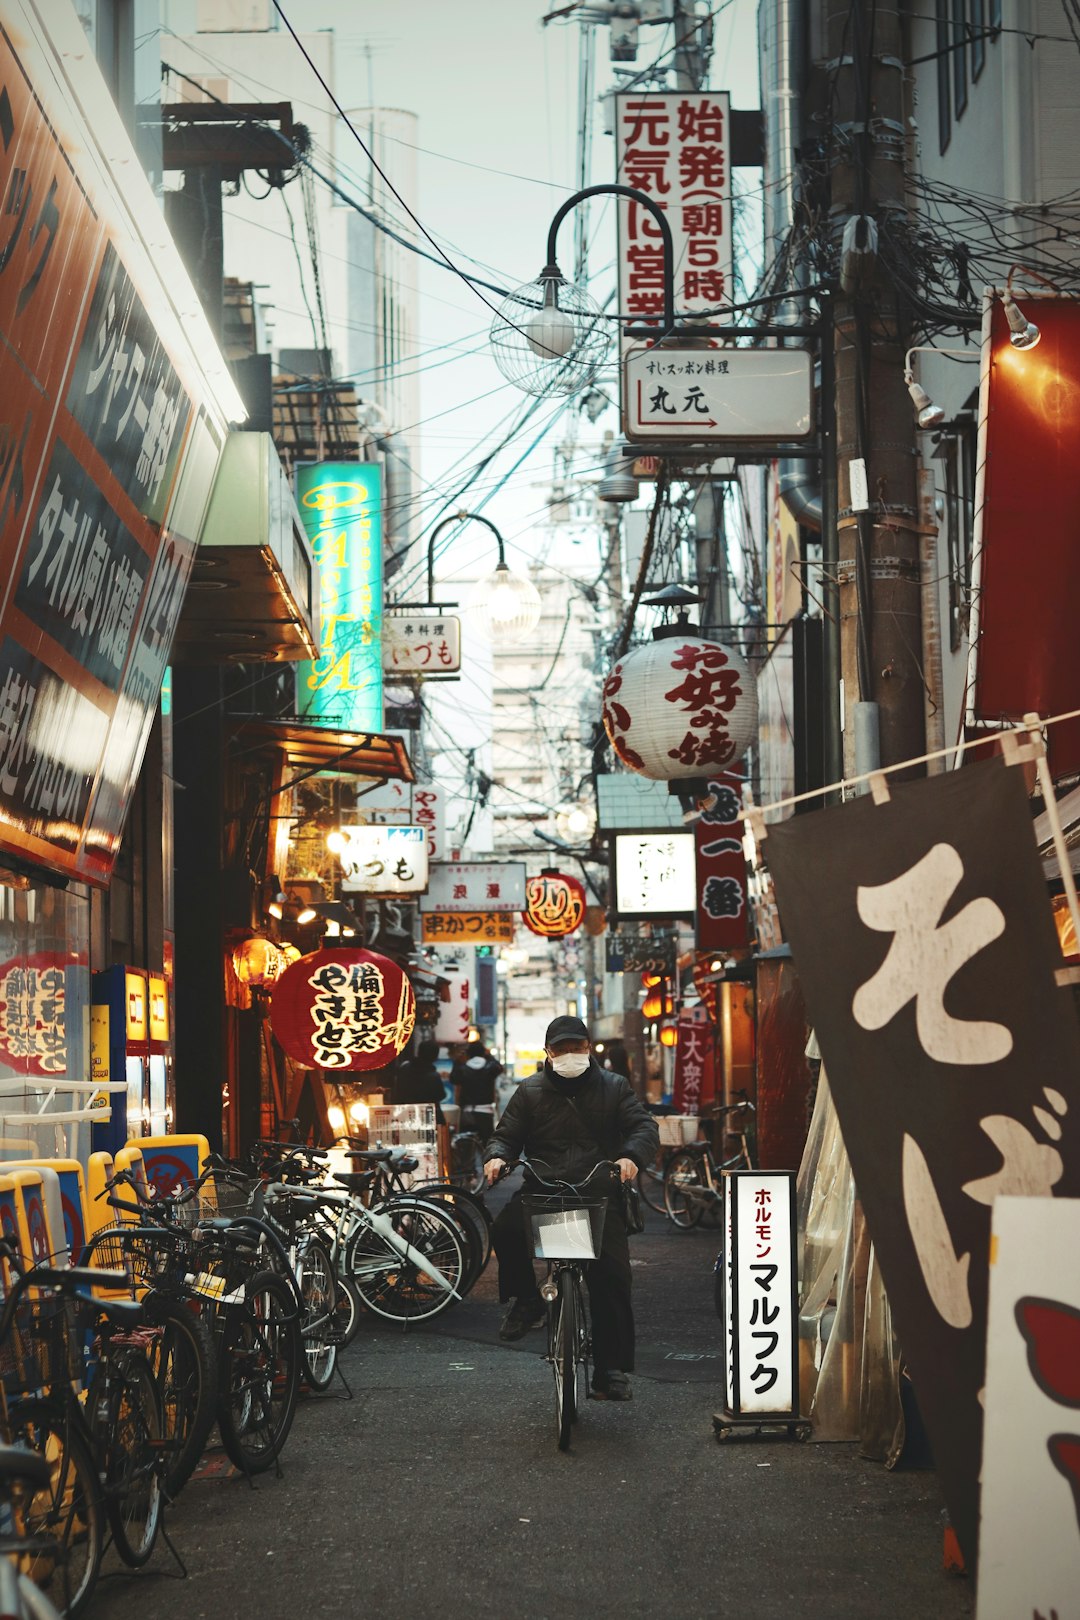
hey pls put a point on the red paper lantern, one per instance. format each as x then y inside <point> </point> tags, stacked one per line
<point>554,904</point>
<point>680,707</point>
<point>343,1009</point>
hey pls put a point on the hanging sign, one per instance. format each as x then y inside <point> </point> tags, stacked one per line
<point>389,804</point>
<point>654,874</point>
<point>703,396</point>
<point>926,949</point>
<point>760,1310</point>
<point>467,927</point>
<point>1029,1536</point>
<point>722,907</point>
<point>343,1009</point>
<point>454,1018</point>
<point>554,904</point>
<point>341,506</point>
<point>695,1061</point>
<point>415,644</point>
<point>628,952</point>
<point>429,812</point>
<point>676,147</point>
<point>476,886</point>
<point>384,860</point>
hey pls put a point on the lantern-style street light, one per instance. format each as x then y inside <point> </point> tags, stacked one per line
<point>504,607</point>
<point>550,337</point>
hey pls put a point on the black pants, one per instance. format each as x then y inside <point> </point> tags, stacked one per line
<point>608,1278</point>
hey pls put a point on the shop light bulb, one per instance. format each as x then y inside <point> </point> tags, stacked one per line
<point>359,1113</point>
<point>336,1118</point>
<point>336,842</point>
<point>1023,334</point>
<point>306,916</point>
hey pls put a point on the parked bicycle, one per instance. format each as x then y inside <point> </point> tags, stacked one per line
<point>692,1173</point>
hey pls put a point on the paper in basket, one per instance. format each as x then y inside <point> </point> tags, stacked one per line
<point>565,1235</point>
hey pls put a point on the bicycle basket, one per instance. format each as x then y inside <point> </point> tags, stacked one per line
<point>43,1349</point>
<point>143,1256</point>
<point>564,1226</point>
<point>225,1194</point>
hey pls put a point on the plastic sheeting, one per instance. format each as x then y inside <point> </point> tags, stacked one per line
<point>849,1361</point>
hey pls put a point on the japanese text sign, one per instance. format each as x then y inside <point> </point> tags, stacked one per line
<point>1029,1537</point>
<point>416,644</point>
<point>389,803</point>
<point>429,812</point>
<point>111,429</point>
<point>33,1037</point>
<point>695,1061</point>
<point>628,952</point>
<point>757,395</point>
<point>760,1294</point>
<point>467,927</point>
<point>455,1006</point>
<point>722,908</point>
<point>654,874</point>
<point>675,147</point>
<point>476,886</point>
<point>343,1009</point>
<point>924,942</point>
<point>554,904</point>
<point>341,506</point>
<point>384,860</point>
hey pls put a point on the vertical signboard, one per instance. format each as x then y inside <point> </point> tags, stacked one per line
<point>722,907</point>
<point>455,1012</point>
<point>429,812</point>
<point>676,147</point>
<point>341,505</point>
<point>760,1310</point>
<point>106,407</point>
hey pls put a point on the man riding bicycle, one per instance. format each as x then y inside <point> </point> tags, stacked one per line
<point>566,1119</point>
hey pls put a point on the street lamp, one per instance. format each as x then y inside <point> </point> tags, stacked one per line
<point>503,607</point>
<point>549,336</point>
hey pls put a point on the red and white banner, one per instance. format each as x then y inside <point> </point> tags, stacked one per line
<point>455,1013</point>
<point>676,147</point>
<point>695,1061</point>
<point>722,907</point>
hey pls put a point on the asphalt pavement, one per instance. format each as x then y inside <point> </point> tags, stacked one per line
<point>437,1492</point>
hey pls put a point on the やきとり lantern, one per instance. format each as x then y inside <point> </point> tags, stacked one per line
<point>554,904</point>
<point>680,707</point>
<point>343,1009</point>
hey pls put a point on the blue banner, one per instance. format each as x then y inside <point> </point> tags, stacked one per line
<point>341,505</point>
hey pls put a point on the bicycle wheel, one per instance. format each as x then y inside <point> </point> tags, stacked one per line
<point>683,1179</point>
<point>564,1347</point>
<point>184,1366</point>
<point>259,1373</point>
<point>126,1419</point>
<point>650,1183</point>
<point>70,1511</point>
<point>476,1243</point>
<point>318,1324</point>
<point>470,1206</point>
<point>347,1311</point>
<point>395,1286</point>
<point>468,1162</point>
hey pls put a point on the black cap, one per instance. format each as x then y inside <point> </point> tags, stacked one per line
<point>565,1029</point>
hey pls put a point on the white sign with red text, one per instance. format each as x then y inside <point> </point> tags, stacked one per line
<point>718,394</point>
<point>429,812</point>
<point>676,147</point>
<point>455,1013</point>
<point>760,1308</point>
<point>476,886</point>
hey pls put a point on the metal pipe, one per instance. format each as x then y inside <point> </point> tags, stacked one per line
<point>458,517</point>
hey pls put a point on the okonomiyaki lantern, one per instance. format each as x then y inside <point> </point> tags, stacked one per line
<point>680,707</point>
<point>343,1009</point>
<point>554,904</point>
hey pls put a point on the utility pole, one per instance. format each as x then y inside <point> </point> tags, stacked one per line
<point>689,53</point>
<point>879,567</point>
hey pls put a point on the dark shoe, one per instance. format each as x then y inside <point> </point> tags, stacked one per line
<point>612,1386</point>
<point>520,1318</point>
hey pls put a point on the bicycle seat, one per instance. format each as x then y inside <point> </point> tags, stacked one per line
<point>406,1164</point>
<point>28,1466</point>
<point>356,1181</point>
<point>373,1155</point>
<point>120,1312</point>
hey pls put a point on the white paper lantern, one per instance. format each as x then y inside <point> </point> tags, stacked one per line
<point>680,707</point>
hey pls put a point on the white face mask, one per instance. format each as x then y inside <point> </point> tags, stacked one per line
<point>571,1064</point>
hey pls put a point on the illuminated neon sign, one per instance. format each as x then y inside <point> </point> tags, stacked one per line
<point>341,505</point>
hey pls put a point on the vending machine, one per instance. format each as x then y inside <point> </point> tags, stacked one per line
<point>130,1038</point>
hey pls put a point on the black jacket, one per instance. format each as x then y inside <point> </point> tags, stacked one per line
<point>565,1140</point>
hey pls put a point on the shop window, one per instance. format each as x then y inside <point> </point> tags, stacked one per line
<point>956,512</point>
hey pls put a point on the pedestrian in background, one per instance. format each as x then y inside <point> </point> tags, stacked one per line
<point>418,1079</point>
<point>473,1077</point>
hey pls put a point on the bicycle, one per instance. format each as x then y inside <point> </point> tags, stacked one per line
<point>565,1226</point>
<point>23,1475</point>
<point>692,1174</point>
<point>104,1454</point>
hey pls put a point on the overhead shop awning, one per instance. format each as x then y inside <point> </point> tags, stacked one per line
<point>311,750</point>
<point>253,595</point>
